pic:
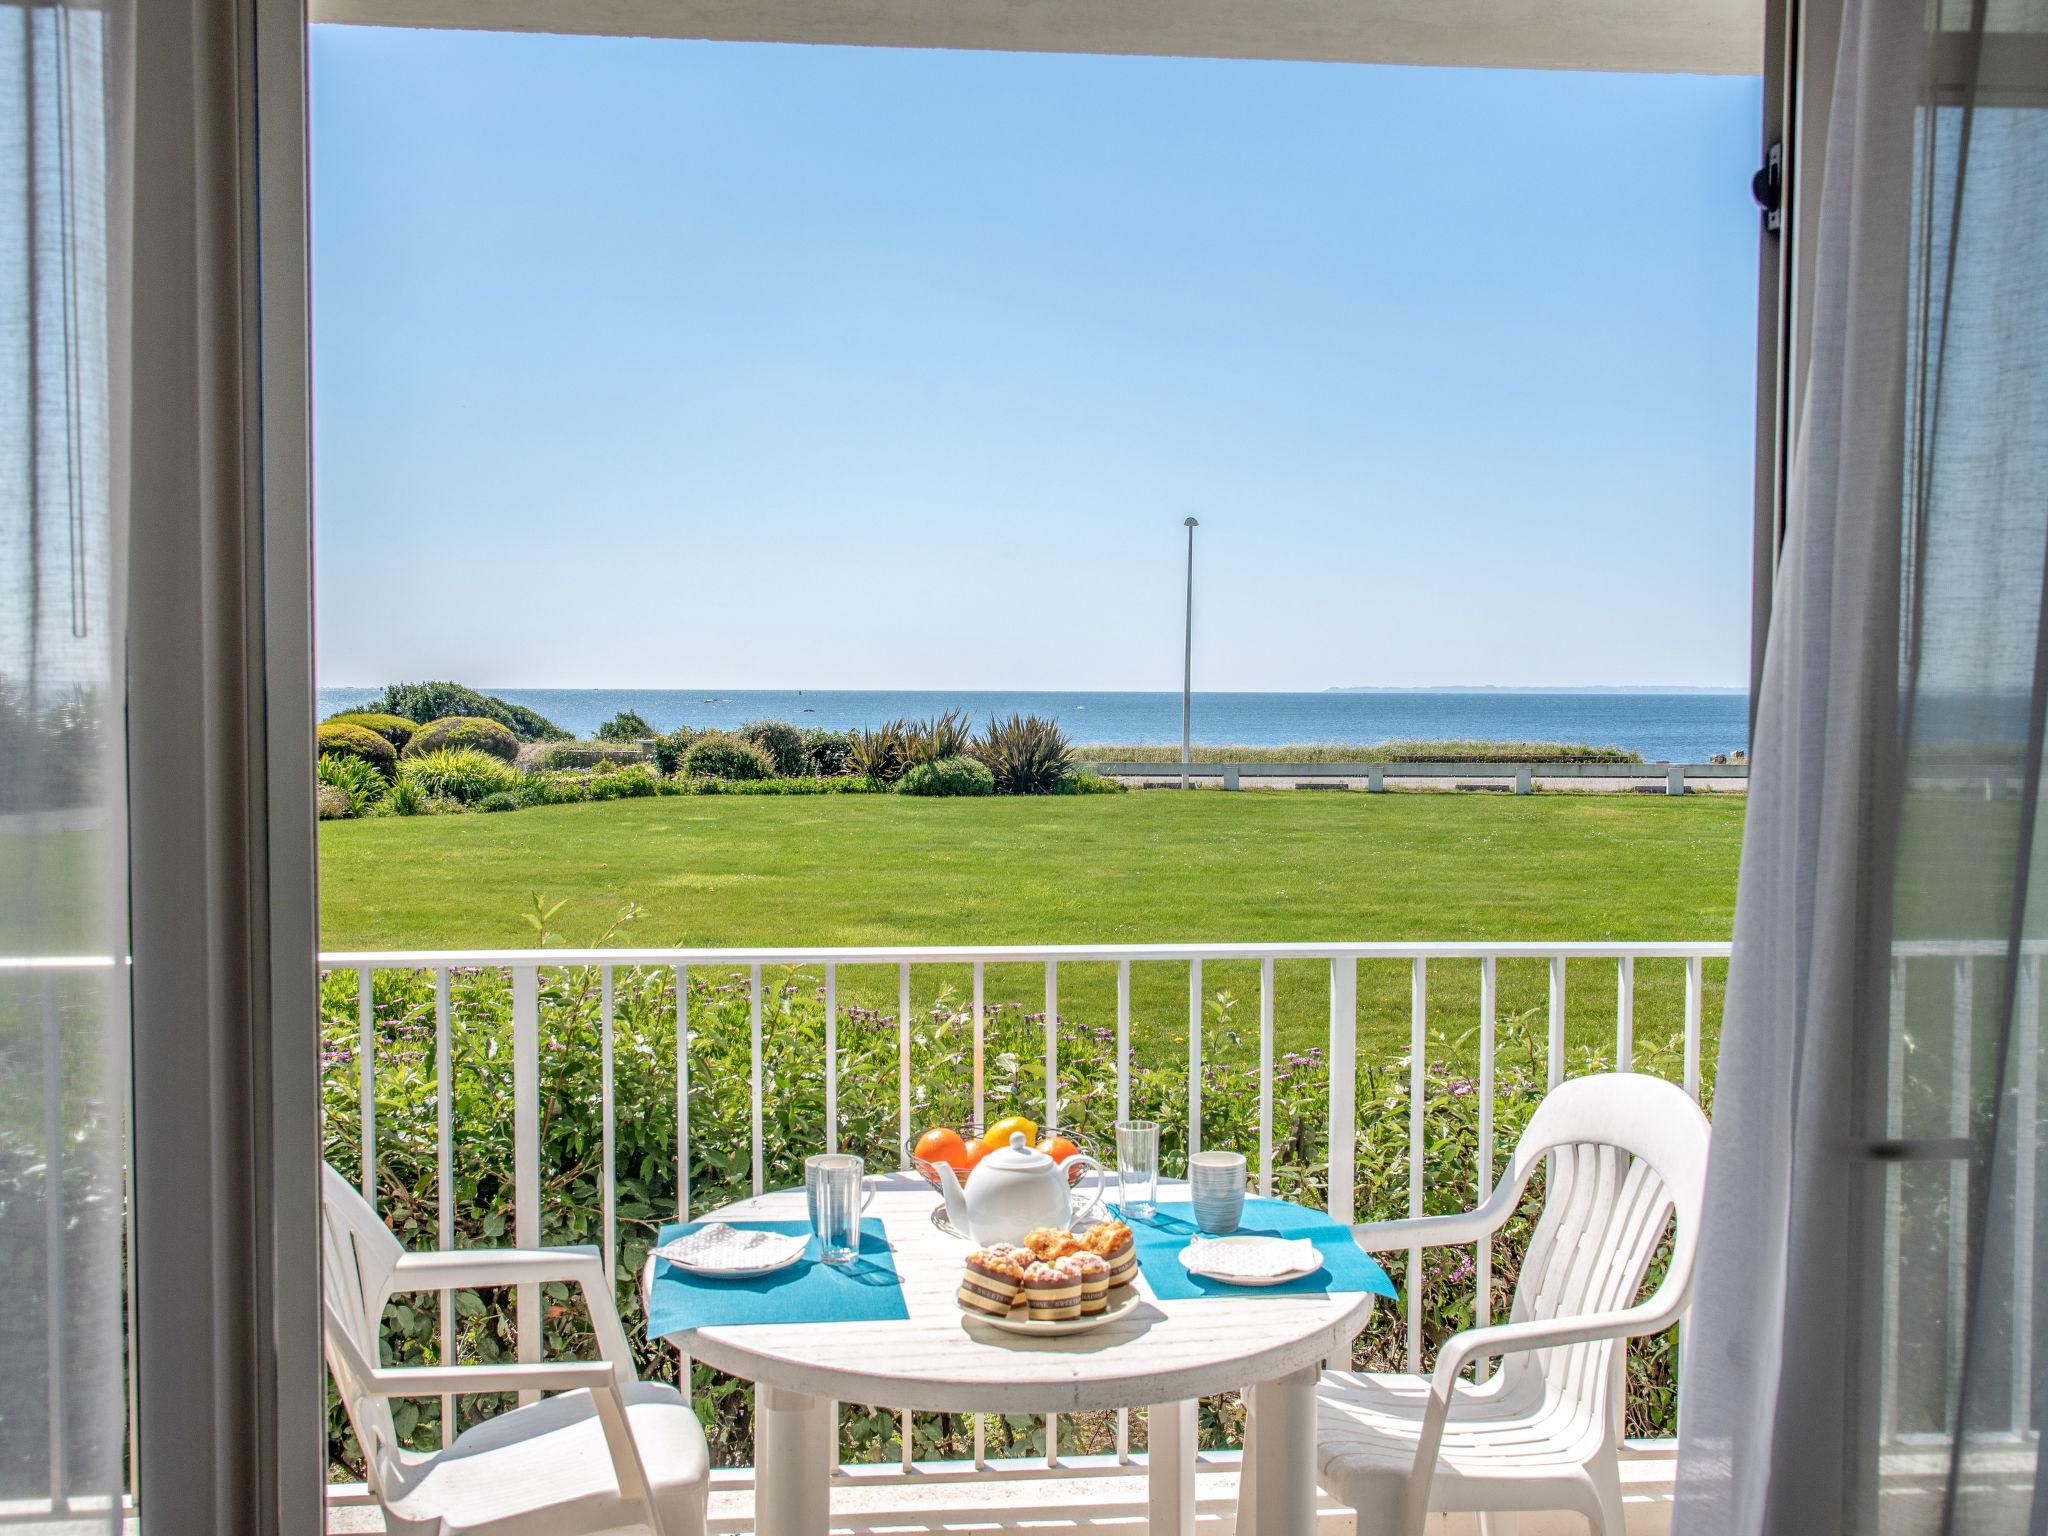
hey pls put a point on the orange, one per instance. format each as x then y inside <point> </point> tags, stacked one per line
<point>1000,1133</point>
<point>943,1145</point>
<point>976,1151</point>
<point>1058,1148</point>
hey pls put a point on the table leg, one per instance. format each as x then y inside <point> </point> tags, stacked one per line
<point>1277,1495</point>
<point>793,1449</point>
<point>1170,1469</point>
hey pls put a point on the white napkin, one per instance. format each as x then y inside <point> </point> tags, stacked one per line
<point>718,1246</point>
<point>1249,1258</point>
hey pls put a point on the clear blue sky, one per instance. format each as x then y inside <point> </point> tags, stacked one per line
<point>645,364</point>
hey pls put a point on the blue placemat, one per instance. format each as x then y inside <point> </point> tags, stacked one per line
<point>808,1291</point>
<point>1161,1236</point>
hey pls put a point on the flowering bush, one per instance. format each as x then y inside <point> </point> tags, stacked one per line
<point>571,1113</point>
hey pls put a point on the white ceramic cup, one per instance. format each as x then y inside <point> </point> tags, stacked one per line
<point>1216,1187</point>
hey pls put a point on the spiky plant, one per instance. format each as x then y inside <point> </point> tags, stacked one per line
<point>1027,754</point>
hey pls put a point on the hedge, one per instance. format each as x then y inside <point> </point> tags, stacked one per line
<point>395,729</point>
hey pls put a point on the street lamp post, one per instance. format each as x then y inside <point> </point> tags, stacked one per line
<point>1187,663</point>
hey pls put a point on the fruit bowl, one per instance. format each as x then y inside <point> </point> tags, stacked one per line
<point>969,1132</point>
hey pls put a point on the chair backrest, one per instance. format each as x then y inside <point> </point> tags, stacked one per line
<point>1628,1159</point>
<point>358,1255</point>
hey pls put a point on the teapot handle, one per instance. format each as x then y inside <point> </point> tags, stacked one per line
<point>1074,1168</point>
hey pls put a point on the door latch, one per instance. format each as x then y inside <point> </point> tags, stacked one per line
<point>1767,186</point>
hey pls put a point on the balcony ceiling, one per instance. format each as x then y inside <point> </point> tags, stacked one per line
<point>1716,37</point>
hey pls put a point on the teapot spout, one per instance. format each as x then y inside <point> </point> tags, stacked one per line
<point>956,1197</point>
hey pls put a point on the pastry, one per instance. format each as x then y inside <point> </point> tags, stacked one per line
<point>994,1278</point>
<point>1112,1243</point>
<point>1051,1294</point>
<point>1094,1273</point>
<point>1050,1243</point>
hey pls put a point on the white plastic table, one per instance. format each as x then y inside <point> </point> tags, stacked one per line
<point>1161,1355</point>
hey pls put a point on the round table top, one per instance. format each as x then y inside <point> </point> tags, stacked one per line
<point>933,1360</point>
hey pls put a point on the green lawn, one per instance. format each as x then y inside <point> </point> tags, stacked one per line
<point>1144,867</point>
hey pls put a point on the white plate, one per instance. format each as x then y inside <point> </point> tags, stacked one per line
<point>1247,1280</point>
<point>1121,1299</point>
<point>735,1274</point>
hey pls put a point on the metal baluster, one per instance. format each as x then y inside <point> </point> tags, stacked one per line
<point>1418,1046</point>
<point>1266,1076</point>
<point>56,1283</point>
<point>1959,1088</point>
<point>526,1150</point>
<point>1555,1040</point>
<point>444,1175</point>
<point>754,1074</point>
<point>1052,1044</point>
<point>606,1048</point>
<point>1625,1013</point>
<point>903,1065</point>
<point>1194,1056</point>
<point>831,1058</point>
<point>980,1099</point>
<point>366,1080</point>
<point>1894,1201</point>
<point>1343,1089</point>
<point>1482,1299</point>
<point>2027,1075</point>
<point>1695,1010</point>
<point>683,1097</point>
<point>1123,1039</point>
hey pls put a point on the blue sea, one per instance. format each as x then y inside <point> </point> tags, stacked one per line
<point>1662,725</point>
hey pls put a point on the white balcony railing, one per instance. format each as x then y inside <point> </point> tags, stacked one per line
<point>1562,962</point>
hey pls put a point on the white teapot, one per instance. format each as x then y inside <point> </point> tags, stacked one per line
<point>1015,1190</point>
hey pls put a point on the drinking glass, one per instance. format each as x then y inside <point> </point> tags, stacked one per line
<point>833,1188</point>
<point>1137,1165</point>
<point>1216,1186</point>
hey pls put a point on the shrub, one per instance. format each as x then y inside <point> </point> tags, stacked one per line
<point>395,729</point>
<point>360,785</point>
<point>1027,754</point>
<point>547,756</point>
<point>668,750</point>
<point>844,784</point>
<point>404,798</point>
<point>948,776</point>
<point>942,736</point>
<point>339,739</point>
<point>625,783</point>
<point>461,774</point>
<point>503,800</point>
<point>878,753</point>
<point>438,701</point>
<point>626,725</point>
<point>1089,784</point>
<point>716,755</point>
<point>783,744</point>
<point>453,731</point>
<point>828,754</point>
<point>561,788</point>
<point>331,803</point>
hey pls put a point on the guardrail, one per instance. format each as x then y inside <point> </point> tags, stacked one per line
<point>1341,960</point>
<point>1675,776</point>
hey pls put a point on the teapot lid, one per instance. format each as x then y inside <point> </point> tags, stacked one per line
<point>1019,1156</point>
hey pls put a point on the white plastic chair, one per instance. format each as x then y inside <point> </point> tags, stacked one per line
<point>608,1453</point>
<point>1542,1432</point>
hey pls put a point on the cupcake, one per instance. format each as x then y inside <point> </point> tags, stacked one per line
<point>1094,1273</point>
<point>1112,1243</point>
<point>995,1276</point>
<point>1049,1243</point>
<point>1051,1294</point>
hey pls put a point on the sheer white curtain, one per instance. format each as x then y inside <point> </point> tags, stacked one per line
<point>63,891</point>
<point>1869,1343</point>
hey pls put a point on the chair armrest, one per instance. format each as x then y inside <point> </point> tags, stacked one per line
<point>541,1376</point>
<point>1425,1231</point>
<point>1461,1349</point>
<point>459,1268</point>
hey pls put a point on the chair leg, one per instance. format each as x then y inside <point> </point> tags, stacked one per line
<point>1611,1520</point>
